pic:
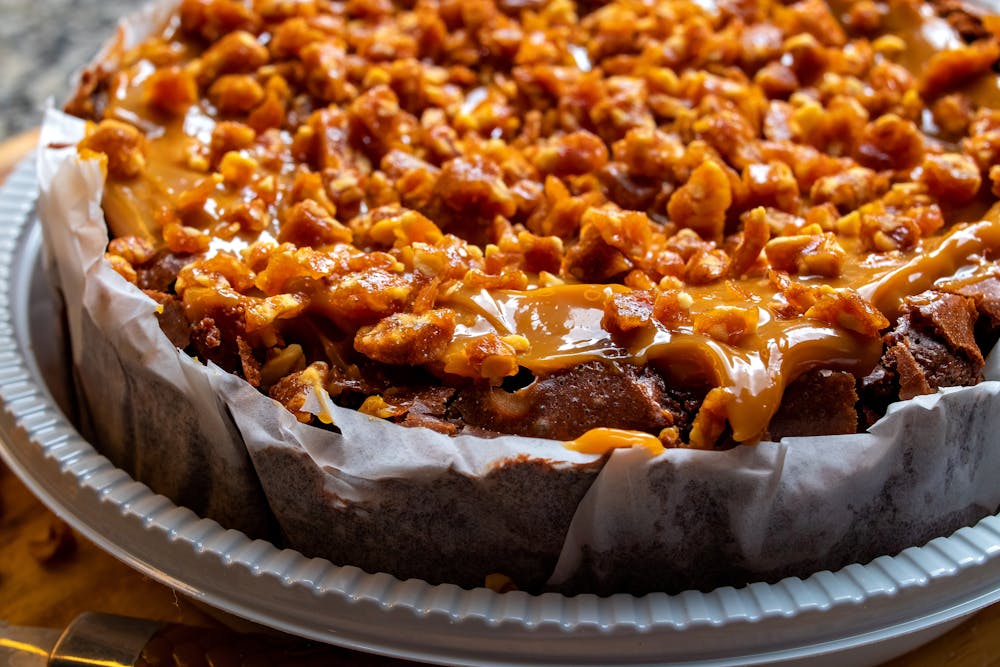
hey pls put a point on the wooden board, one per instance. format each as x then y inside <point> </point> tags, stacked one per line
<point>15,148</point>
<point>33,592</point>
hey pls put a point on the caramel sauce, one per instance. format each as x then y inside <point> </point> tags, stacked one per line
<point>965,247</point>
<point>603,440</point>
<point>926,34</point>
<point>134,207</point>
<point>563,326</point>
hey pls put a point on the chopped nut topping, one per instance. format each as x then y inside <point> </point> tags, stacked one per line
<point>235,93</point>
<point>948,69</point>
<point>711,419</point>
<point>122,267</point>
<point>294,389</point>
<point>672,308</point>
<point>753,241</point>
<point>376,406</point>
<point>309,224</point>
<point>727,324</point>
<point>849,189</point>
<point>952,177</point>
<point>489,357</point>
<point>171,89</point>
<point>237,52</point>
<point>375,197</point>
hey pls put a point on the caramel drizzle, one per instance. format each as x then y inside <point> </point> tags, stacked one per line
<point>563,325</point>
<point>601,440</point>
<point>962,248</point>
<point>926,34</point>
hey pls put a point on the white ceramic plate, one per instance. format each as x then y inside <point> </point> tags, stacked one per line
<point>862,614</point>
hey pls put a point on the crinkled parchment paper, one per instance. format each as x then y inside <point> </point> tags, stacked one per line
<point>152,410</point>
<point>416,503</point>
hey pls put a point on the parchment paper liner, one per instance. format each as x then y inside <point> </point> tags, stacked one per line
<point>416,503</point>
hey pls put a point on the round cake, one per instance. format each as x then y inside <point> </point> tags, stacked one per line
<point>580,296</point>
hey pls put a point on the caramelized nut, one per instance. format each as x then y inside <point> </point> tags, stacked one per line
<point>701,203</point>
<point>171,89</point>
<point>185,240</point>
<point>489,357</point>
<point>309,224</point>
<point>952,177</point>
<point>407,339</point>
<point>136,251</point>
<point>706,266</point>
<point>625,312</point>
<point>846,308</point>
<point>727,324</point>
<point>235,93</point>
<point>236,53</point>
<point>237,169</point>
<point>849,189</point>
<point>756,232</point>
<point>947,69</point>
<point>711,419</point>
<point>575,153</point>
<point>123,144</point>
<point>293,390</point>
<point>891,142</point>
<point>122,267</point>
<point>816,254</point>
<point>672,308</point>
<point>627,231</point>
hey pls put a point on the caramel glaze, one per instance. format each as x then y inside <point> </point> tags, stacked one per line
<point>601,440</point>
<point>927,34</point>
<point>562,323</point>
<point>136,207</point>
<point>967,249</point>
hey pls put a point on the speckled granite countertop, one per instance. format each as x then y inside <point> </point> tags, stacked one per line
<point>42,42</point>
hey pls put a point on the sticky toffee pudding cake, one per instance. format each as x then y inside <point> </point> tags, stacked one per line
<point>672,224</point>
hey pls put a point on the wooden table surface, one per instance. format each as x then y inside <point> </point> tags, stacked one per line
<point>49,575</point>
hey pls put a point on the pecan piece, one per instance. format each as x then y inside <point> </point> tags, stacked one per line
<point>124,146</point>
<point>846,308</point>
<point>947,69</point>
<point>816,254</point>
<point>405,339</point>
<point>702,202</point>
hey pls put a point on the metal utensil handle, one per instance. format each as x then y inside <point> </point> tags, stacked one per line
<point>102,639</point>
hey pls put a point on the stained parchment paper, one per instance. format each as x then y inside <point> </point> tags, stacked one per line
<point>416,503</point>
